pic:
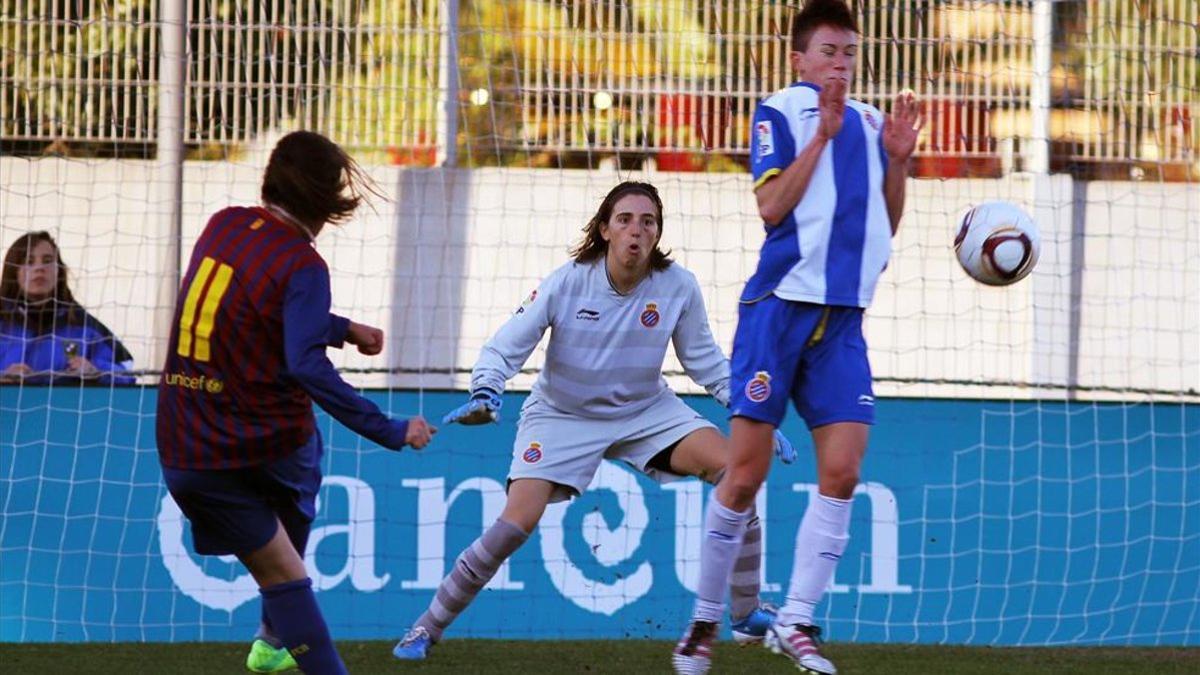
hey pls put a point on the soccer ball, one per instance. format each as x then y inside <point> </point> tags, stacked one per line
<point>997,243</point>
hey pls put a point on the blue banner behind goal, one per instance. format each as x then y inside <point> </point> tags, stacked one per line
<point>978,522</point>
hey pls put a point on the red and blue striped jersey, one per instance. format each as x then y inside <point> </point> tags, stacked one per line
<point>247,357</point>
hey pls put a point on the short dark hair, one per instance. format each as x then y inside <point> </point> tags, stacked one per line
<point>18,255</point>
<point>817,13</point>
<point>593,247</point>
<point>314,180</point>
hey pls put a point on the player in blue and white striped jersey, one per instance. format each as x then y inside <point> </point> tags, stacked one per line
<point>612,312</point>
<point>829,181</point>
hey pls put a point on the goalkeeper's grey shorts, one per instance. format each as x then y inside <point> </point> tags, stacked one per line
<point>567,449</point>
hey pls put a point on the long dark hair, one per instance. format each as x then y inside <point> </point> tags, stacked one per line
<point>593,247</point>
<point>61,310</point>
<point>14,307</point>
<point>314,180</point>
<point>18,255</point>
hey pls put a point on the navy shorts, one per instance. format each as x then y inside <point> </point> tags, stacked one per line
<point>813,354</point>
<point>237,511</point>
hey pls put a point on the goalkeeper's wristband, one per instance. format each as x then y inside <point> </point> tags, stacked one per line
<point>721,394</point>
<point>484,393</point>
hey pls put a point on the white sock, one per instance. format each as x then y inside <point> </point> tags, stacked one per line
<point>820,542</point>
<point>723,530</point>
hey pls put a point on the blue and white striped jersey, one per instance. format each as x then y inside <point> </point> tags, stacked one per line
<point>831,249</point>
<point>606,350</point>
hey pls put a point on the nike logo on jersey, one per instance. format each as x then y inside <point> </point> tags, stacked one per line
<point>587,315</point>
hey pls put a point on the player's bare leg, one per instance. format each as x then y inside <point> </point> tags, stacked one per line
<point>527,500</point>
<point>267,653</point>
<point>475,567</point>
<point>840,449</point>
<point>750,444</point>
<point>725,519</point>
<point>703,454</point>
<point>289,601</point>
<point>275,563</point>
<point>820,542</point>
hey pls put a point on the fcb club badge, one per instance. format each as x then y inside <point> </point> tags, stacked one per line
<point>758,389</point>
<point>532,454</point>
<point>650,316</point>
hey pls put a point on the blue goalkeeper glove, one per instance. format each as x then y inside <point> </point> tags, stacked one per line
<point>483,407</point>
<point>784,449</point>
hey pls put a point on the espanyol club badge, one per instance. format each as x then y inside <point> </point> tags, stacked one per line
<point>758,389</point>
<point>532,454</point>
<point>650,317</point>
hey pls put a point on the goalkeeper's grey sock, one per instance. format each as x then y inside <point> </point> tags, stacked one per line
<point>473,569</point>
<point>745,582</point>
<point>723,530</point>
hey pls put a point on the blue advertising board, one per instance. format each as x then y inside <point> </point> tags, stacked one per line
<point>977,522</point>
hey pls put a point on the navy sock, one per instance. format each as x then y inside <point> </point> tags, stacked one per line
<point>297,621</point>
<point>297,529</point>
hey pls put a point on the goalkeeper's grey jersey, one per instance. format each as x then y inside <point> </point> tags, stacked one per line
<point>606,350</point>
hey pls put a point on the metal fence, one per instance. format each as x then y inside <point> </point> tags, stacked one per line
<point>77,71</point>
<point>671,78</point>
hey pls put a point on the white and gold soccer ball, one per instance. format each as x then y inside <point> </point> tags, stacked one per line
<point>997,243</point>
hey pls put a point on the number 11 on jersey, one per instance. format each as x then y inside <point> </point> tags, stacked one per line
<point>195,333</point>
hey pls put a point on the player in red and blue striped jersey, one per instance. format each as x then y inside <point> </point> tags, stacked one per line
<point>236,434</point>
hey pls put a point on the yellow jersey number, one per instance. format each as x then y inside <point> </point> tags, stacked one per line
<point>195,330</point>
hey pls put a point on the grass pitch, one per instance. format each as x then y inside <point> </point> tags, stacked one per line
<point>627,657</point>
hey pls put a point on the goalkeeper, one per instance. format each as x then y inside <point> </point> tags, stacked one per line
<point>612,311</point>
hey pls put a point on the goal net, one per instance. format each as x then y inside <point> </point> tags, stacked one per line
<point>1034,474</point>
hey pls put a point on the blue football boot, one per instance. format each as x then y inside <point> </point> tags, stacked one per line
<point>414,646</point>
<point>753,628</point>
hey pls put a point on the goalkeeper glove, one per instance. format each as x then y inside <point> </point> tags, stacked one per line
<point>784,449</point>
<point>483,407</point>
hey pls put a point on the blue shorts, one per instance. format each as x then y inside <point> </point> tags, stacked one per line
<point>238,511</point>
<point>813,354</point>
